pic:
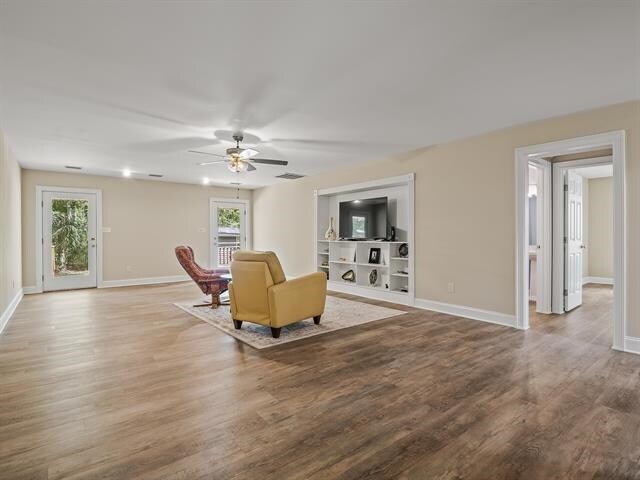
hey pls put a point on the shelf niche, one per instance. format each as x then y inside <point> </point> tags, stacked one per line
<point>395,279</point>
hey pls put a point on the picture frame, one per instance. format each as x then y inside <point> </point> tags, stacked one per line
<point>374,255</point>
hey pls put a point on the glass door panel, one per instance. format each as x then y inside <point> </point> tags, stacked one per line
<point>69,241</point>
<point>228,232</point>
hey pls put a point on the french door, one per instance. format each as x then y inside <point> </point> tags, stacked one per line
<point>69,258</point>
<point>574,245</point>
<point>228,230</point>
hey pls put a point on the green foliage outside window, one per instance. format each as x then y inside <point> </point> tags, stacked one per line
<point>69,235</point>
<point>229,217</point>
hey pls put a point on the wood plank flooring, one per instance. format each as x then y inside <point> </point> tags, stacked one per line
<point>121,384</point>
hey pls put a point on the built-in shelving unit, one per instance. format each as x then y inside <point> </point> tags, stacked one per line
<point>394,280</point>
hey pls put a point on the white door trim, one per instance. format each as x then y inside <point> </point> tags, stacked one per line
<point>248,223</point>
<point>38,236</point>
<point>523,155</point>
<point>544,255</point>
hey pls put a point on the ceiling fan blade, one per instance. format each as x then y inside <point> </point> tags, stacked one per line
<point>250,168</point>
<point>212,163</point>
<point>207,153</point>
<point>248,153</point>
<point>269,162</point>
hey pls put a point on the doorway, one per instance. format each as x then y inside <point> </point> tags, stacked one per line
<point>615,141</point>
<point>229,230</point>
<point>571,213</point>
<point>586,212</point>
<point>68,221</point>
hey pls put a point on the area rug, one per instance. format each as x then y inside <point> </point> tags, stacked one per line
<point>338,314</point>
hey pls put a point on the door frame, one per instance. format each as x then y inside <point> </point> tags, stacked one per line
<point>523,155</point>
<point>544,254</point>
<point>248,230</point>
<point>39,234</point>
<point>559,171</point>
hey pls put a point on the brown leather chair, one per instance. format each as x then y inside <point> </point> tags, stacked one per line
<point>209,281</point>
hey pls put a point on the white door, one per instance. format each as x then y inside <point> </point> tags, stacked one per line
<point>574,243</point>
<point>68,240</point>
<point>228,231</point>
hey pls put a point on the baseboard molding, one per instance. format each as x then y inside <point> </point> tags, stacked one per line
<point>31,290</point>
<point>599,280</point>
<point>11,308</point>
<point>130,282</point>
<point>632,345</point>
<point>468,312</point>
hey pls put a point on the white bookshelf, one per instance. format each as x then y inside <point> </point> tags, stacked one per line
<point>395,281</point>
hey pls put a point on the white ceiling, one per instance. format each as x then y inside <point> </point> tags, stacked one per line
<point>114,85</point>
<point>597,171</point>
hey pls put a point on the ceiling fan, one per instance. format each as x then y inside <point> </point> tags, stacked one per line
<point>240,159</point>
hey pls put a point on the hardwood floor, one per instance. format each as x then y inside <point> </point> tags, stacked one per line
<point>120,384</point>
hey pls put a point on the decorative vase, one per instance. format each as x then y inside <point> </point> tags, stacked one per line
<point>373,277</point>
<point>331,232</point>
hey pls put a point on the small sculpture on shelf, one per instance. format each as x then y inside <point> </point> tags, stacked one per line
<point>373,277</point>
<point>403,250</point>
<point>349,276</point>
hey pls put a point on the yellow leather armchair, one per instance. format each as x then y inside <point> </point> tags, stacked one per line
<point>260,293</point>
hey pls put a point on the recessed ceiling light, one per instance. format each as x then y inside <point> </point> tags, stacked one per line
<point>356,201</point>
<point>206,181</point>
<point>126,172</point>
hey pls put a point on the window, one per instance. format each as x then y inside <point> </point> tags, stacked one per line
<point>358,226</point>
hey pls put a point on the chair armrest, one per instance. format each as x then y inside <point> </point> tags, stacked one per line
<point>297,299</point>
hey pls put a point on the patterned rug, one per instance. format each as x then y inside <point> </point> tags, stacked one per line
<point>338,314</point>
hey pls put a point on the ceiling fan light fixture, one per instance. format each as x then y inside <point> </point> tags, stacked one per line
<point>236,165</point>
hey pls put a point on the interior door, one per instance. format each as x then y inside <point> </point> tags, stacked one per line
<point>228,231</point>
<point>574,243</point>
<point>69,258</point>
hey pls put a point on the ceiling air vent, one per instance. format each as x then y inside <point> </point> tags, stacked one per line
<point>290,176</point>
<point>155,175</point>
<point>71,167</point>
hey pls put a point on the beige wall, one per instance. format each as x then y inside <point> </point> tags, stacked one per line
<point>465,211</point>
<point>600,236</point>
<point>585,224</point>
<point>148,219</point>
<point>10,254</point>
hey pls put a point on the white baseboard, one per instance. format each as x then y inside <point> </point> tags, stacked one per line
<point>8,312</point>
<point>600,280</point>
<point>468,312</point>
<point>130,282</point>
<point>31,290</point>
<point>632,345</point>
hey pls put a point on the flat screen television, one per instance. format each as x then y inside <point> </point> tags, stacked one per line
<point>364,219</point>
